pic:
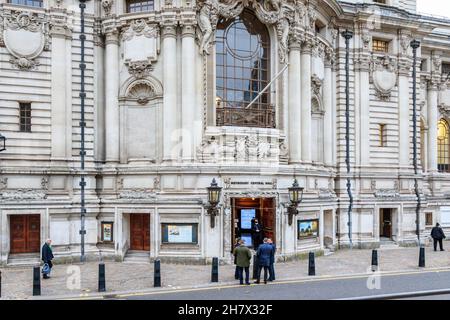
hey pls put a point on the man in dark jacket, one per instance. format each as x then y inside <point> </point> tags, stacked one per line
<point>437,234</point>
<point>236,271</point>
<point>243,256</point>
<point>257,233</point>
<point>264,253</point>
<point>47,256</point>
<point>272,261</point>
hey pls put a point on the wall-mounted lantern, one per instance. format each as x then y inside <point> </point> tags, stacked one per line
<point>295,197</point>
<point>214,192</point>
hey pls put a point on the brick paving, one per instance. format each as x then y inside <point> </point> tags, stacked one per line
<point>132,276</point>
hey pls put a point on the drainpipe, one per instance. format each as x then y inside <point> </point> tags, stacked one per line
<point>415,45</point>
<point>82,67</point>
<point>348,35</point>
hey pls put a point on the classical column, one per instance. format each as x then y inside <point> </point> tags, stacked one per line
<point>112,124</point>
<point>328,106</point>
<point>188,95</point>
<point>294,102</point>
<point>432,107</point>
<point>170,91</point>
<point>404,95</point>
<point>364,115</point>
<point>306,101</point>
<point>59,107</point>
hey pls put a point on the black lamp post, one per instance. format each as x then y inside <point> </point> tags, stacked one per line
<point>2,142</point>
<point>415,45</point>
<point>214,192</point>
<point>82,123</point>
<point>295,197</point>
<point>347,36</point>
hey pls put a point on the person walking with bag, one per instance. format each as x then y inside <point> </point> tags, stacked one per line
<point>437,234</point>
<point>47,257</point>
<point>243,256</point>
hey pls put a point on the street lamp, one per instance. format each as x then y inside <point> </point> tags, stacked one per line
<point>295,197</point>
<point>347,36</point>
<point>415,44</point>
<point>82,123</point>
<point>2,142</point>
<point>213,198</point>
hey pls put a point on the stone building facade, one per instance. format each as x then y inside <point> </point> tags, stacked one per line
<point>169,84</point>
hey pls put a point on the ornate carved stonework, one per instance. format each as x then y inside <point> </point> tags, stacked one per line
<point>24,194</point>
<point>25,36</point>
<point>107,5</point>
<point>137,194</point>
<point>284,16</point>
<point>384,76</point>
<point>138,57</point>
<point>444,110</point>
<point>142,92</point>
<point>316,85</point>
<point>44,183</point>
<point>386,193</point>
<point>3,183</point>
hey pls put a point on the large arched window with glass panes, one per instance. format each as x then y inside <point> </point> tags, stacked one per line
<point>242,72</point>
<point>443,146</point>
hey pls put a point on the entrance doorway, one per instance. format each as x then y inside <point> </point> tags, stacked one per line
<point>140,232</point>
<point>386,223</point>
<point>25,233</point>
<point>245,210</point>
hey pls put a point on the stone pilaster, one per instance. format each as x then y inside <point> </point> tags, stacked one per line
<point>112,123</point>
<point>170,114</point>
<point>432,98</point>
<point>328,106</point>
<point>306,101</point>
<point>294,101</point>
<point>189,115</point>
<point>404,116</point>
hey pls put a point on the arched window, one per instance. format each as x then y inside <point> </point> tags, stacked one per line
<point>443,146</point>
<point>242,72</point>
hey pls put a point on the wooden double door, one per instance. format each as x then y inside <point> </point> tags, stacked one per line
<point>25,231</point>
<point>140,232</point>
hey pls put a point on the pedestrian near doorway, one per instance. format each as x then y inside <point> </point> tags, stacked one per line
<point>47,257</point>
<point>438,235</point>
<point>243,256</point>
<point>272,260</point>
<point>264,254</point>
<point>236,270</point>
<point>257,234</point>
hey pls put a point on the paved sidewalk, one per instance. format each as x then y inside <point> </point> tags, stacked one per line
<point>131,277</point>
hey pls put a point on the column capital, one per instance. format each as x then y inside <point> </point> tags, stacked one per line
<point>112,38</point>
<point>169,30</point>
<point>404,67</point>
<point>362,62</point>
<point>187,30</point>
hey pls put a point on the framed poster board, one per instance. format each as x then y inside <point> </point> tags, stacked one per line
<point>445,216</point>
<point>107,231</point>
<point>308,229</point>
<point>246,218</point>
<point>179,233</point>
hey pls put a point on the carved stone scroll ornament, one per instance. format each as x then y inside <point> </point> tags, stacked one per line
<point>25,36</point>
<point>384,76</point>
<point>444,110</point>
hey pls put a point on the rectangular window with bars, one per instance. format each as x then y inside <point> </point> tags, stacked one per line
<point>380,45</point>
<point>429,218</point>
<point>29,3</point>
<point>140,5</point>
<point>25,116</point>
<point>382,135</point>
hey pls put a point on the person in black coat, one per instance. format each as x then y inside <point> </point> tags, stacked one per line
<point>257,234</point>
<point>236,271</point>
<point>47,257</point>
<point>437,234</point>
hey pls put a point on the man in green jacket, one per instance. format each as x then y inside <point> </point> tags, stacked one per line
<point>243,257</point>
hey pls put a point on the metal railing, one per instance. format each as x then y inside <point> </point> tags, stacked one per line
<point>240,117</point>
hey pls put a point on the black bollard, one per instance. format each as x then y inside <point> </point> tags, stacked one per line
<point>215,270</point>
<point>422,257</point>
<point>0,284</point>
<point>36,281</point>
<point>157,277</point>
<point>312,265</point>
<point>374,260</point>
<point>101,278</point>
<point>255,267</point>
